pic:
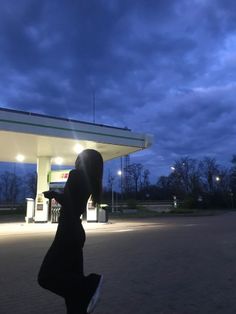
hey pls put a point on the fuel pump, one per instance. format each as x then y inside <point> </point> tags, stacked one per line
<point>41,208</point>
<point>57,180</point>
<point>54,211</point>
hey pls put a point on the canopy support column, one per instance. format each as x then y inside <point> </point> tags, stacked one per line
<point>41,203</point>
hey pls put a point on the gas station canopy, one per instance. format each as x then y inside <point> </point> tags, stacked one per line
<point>32,136</point>
<point>45,140</point>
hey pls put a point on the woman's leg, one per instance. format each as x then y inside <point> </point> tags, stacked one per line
<point>62,271</point>
<point>73,306</point>
<point>90,296</point>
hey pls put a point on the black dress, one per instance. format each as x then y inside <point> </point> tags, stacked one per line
<point>62,268</point>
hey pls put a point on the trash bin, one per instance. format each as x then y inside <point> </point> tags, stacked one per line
<point>29,210</point>
<point>102,215</point>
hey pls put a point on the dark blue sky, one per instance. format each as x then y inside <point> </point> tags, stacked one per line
<point>159,66</point>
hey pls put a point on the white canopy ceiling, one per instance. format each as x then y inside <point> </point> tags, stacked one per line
<point>34,135</point>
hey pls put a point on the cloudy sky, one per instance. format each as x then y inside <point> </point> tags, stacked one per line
<point>162,67</point>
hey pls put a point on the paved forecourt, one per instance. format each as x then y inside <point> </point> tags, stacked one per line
<point>171,265</point>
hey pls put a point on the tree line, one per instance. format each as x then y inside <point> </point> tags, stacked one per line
<point>14,188</point>
<point>194,183</point>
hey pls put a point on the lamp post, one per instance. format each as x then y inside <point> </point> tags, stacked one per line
<point>119,172</point>
<point>114,200</point>
<point>111,179</point>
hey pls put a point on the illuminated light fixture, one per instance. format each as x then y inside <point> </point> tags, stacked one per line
<point>119,172</point>
<point>58,160</point>
<point>20,158</point>
<point>78,148</point>
<point>217,178</point>
<point>172,168</point>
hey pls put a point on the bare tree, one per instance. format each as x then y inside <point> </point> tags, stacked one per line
<point>10,187</point>
<point>31,184</point>
<point>233,160</point>
<point>110,180</point>
<point>145,179</point>
<point>209,170</point>
<point>134,171</point>
<point>233,177</point>
<point>223,184</point>
<point>165,187</point>
<point>186,175</point>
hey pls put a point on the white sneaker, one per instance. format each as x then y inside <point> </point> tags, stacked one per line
<point>95,298</point>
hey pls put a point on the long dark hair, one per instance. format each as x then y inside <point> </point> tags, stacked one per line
<point>91,163</point>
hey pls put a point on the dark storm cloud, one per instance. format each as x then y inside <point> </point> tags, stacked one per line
<point>162,67</point>
<point>17,49</point>
<point>197,125</point>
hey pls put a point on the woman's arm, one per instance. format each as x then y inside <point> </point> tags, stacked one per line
<point>59,197</point>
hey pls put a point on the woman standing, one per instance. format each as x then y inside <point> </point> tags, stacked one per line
<point>62,269</point>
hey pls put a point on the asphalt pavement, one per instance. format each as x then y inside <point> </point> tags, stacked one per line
<point>166,265</point>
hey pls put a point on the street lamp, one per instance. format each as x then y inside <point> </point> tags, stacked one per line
<point>217,178</point>
<point>114,200</point>
<point>112,194</point>
<point>120,173</point>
